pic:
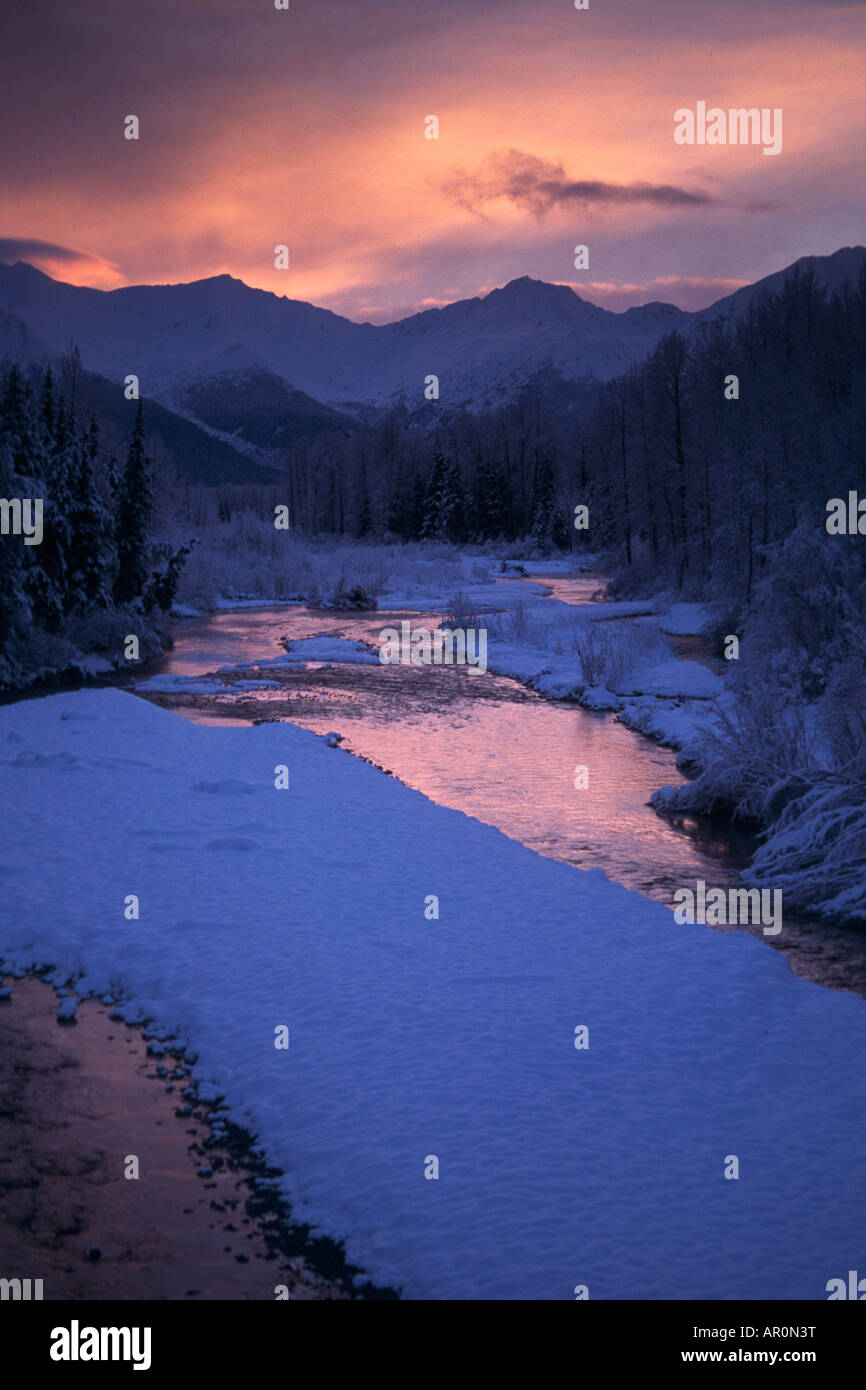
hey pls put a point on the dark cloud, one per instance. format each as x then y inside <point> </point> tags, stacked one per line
<point>29,249</point>
<point>261,126</point>
<point>538,185</point>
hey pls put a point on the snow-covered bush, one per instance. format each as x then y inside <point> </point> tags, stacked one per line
<point>757,743</point>
<point>345,595</point>
<point>603,660</point>
<point>787,751</point>
<point>460,613</point>
<point>252,559</point>
<point>513,625</point>
<point>610,652</point>
<point>816,852</point>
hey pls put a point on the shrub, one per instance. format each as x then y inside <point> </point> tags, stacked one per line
<point>459,614</point>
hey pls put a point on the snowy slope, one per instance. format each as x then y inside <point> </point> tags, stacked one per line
<point>174,337</point>
<point>833,272</point>
<point>171,335</point>
<point>452,1037</point>
<point>178,337</point>
<point>19,344</point>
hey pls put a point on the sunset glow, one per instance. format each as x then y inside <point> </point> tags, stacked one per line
<point>312,145</point>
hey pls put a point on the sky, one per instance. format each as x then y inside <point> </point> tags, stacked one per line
<point>305,127</point>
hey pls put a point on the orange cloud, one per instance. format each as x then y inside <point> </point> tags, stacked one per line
<point>259,128</point>
<point>62,262</point>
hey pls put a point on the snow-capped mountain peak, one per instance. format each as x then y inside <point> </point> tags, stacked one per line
<point>176,337</point>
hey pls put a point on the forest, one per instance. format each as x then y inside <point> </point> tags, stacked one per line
<point>686,485</point>
<point>705,471</point>
<point>708,472</point>
<point>98,572</point>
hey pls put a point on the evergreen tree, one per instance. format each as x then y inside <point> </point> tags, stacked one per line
<point>443,502</point>
<point>560,531</point>
<point>15,609</point>
<point>46,404</point>
<point>450,504</point>
<point>365,520</point>
<point>489,502</point>
<point>50,576</point>
<point>132,519</point>
<point>432,494</point>
<point>16,421</point>
<point>91,545</point>
<point>417,513</point>
<point>162,589</point>
<point>543,503</point>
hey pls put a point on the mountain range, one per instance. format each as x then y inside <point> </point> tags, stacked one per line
<point>254,371</point>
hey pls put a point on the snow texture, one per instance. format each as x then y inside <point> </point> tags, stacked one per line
<point>452,1037</point>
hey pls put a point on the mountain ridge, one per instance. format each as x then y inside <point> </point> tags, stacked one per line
<point>180,338</point>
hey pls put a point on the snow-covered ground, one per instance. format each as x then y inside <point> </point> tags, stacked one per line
<point>628,666</point>
<point>172,684</point>
<point>531,638</point>
<point>413,1036</point>
<point>259,566</point>
<point>312,649</point>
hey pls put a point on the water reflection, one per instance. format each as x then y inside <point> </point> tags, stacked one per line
<point>495,750</point>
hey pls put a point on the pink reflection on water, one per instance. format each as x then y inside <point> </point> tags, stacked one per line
<point>497,751</point>
<point>479,743</point>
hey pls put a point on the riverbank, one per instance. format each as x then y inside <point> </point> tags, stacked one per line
<point>787,768</point>
<point>79,1101</point>
<point>564,648</point>
<point>433,977</point>
<point>643,661</point>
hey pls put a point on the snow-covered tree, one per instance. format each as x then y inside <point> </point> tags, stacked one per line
<point>91,541</point>
<point>132,519</point>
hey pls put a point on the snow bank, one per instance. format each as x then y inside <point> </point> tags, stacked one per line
<point>181,685</point>
<point>495,597</point>
<point>533,648</point>
<point>673,678</point>
<point>684,619</point>
<point>452,1037</point>
<point>674,723</point>
<point>310,649</point>
<point>340,649</point>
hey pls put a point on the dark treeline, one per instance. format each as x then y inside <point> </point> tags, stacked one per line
<point>95,573</point>
<point>482,477</point>
<point>685,487</point>
<point>700,490</point>
<point>702,487</point>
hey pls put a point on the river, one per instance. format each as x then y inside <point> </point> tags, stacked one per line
<point>490,747</point>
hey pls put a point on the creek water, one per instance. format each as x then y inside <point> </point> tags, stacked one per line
<point>488,746</point>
